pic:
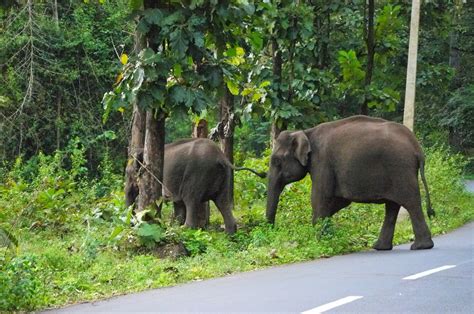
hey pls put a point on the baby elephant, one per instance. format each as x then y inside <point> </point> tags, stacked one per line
<point>196,171</point>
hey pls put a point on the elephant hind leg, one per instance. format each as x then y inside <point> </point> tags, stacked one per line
<point>388,228</point>
<point>420,228</point>
<point>192,207</point>
<point>203,215</point>
<point>225,207</point>
<point>179,212</point>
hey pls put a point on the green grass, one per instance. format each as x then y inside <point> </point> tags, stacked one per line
<point>66,253</point>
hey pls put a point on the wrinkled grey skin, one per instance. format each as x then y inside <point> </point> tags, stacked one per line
<point>357,159</point>
<point>196,171</point>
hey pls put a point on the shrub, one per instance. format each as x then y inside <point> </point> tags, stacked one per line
<point>248,187</point>
<point>196,241</point>
<point>20,287</point>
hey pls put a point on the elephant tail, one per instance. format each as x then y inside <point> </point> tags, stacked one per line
<point>260,174</point>
<point>429,210</point>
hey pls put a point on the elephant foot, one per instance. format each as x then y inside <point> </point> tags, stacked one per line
<point>422,245</point>
<point>380,246</point>
<point>190,226</point>
<point>231,229</point>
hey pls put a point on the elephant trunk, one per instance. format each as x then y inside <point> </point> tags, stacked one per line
<point>275,187</point>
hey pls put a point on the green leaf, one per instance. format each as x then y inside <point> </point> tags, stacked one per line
<point>151,231</point>
<point>138,77</point>
<point>233,87</point>
<point>256,40</point>
<point>147,55</point>
<point>178,94</point>
<point>153,16</point>
<point>177,70</point>
<point>157,93</point>
<point>198,39</point>
<point>178,42</point>
<point>143,26</point>
<point>264,84</point>
<point>145,101</point>
<point>173,19</point>
<point>117,230</point>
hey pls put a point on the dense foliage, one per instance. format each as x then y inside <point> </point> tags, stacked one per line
<point>53,74</point>
<point>293,63</point>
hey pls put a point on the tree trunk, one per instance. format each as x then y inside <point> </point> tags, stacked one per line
<point>136,143</point>
<point>58,120</point>
<point>409,110</point>
<point>135,155</point>
<point>55,13</point>
<point>276,130</point>
<point>200,129</point>
<point>151,176</point>
<point>227,136</point>
<point>370,42</point>
<point>322,23</point>
<point>277,70</point>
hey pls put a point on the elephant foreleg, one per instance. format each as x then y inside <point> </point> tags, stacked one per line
<point>388,228</point>
<point>328,207</point>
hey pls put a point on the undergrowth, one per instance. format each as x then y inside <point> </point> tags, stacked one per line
<point>65,237</point>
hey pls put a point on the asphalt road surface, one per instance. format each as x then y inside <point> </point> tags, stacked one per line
<point>470,185</point>
<point>437,280</point>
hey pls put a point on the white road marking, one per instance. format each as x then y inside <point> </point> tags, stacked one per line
<point>329,306</point>
<point>428,272</point>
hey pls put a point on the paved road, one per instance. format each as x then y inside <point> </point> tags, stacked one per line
<point>469,185</point>
<point>368,282</point>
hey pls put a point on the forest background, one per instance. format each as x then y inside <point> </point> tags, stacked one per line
<point>71,71</point>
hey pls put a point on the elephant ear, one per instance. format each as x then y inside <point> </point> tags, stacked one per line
<point>301,147</point>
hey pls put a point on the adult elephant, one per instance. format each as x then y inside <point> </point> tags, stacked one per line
<point>357,159</point>
<point>196,171</point>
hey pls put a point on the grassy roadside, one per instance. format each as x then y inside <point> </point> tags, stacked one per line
<point>63,225</point>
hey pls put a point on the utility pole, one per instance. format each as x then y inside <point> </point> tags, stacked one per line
<point>409,110</point>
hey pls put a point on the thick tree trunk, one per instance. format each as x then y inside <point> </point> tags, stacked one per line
<point>151,176</point>
<point>135,155</point>
<point>370,42</point>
